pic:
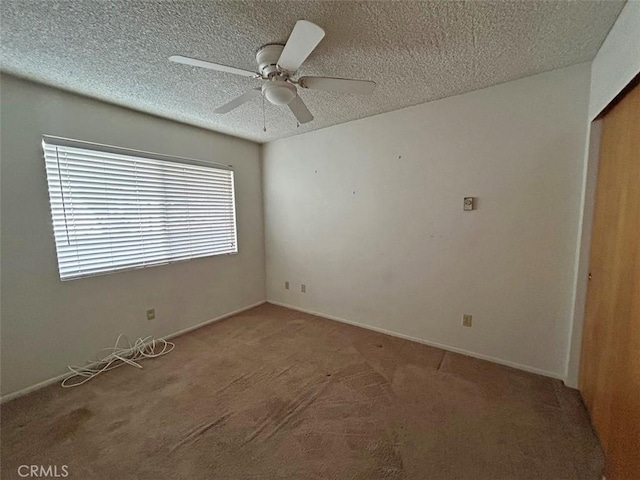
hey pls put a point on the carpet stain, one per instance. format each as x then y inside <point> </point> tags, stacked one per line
<point>66,426</point>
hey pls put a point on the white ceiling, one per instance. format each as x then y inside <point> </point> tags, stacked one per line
<point>416,51</point>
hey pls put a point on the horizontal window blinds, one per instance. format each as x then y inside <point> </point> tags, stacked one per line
<point>115,211</point>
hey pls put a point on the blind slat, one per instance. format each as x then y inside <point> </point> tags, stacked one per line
<point>127,246</point>
<point>92,257</point>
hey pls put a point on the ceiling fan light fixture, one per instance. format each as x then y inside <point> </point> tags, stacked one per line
<point>279,92</point>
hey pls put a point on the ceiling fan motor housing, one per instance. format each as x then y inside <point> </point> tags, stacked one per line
<point>277,90</point>
<point>267,58</point>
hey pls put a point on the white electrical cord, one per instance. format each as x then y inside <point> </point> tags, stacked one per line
<point>143,348</point>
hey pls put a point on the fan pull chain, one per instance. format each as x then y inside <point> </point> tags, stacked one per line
<point>297,113</point>
<point>264,117</point>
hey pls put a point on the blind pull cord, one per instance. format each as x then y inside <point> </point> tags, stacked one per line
<point>64,203</point>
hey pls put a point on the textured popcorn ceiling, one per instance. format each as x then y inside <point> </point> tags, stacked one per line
<point>416,51</point>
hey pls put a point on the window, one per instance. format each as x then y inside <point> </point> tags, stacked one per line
<point>116,209</point>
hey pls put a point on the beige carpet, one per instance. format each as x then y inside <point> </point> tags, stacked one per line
<point>273,393</point>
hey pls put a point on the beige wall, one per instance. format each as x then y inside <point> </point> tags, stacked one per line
<point>47,324</point>
<point>369,216</point>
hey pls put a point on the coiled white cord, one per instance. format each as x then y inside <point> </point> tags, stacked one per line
<point>143,348</point>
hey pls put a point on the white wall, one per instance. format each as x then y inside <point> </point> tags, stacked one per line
<point>618,59</point>
<point>369,216</point>
<point>48,324</point>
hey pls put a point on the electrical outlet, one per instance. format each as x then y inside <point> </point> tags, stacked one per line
<point>286,285</point>
<point>303,288</point>
<point>466,320</point>
<point>151,314</point>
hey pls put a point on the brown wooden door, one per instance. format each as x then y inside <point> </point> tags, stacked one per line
<point>610,362</point>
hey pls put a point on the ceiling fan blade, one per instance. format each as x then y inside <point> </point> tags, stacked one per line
<point>300,110</point>
<point>304,38</point>
<point>236,102</point>
<point>211,66</point>
<point>344,85</point>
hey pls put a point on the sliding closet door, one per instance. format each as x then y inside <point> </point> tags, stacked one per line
<point>610,363</point>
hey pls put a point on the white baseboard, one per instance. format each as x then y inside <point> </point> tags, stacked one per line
<point>461,351</point>
<point>32,388</point>
<point>213,320</point>
<point>59,378</point>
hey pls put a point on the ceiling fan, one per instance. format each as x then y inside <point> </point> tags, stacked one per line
<point>277,64</point>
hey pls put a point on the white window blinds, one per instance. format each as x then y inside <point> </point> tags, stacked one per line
<point>116,209</point>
